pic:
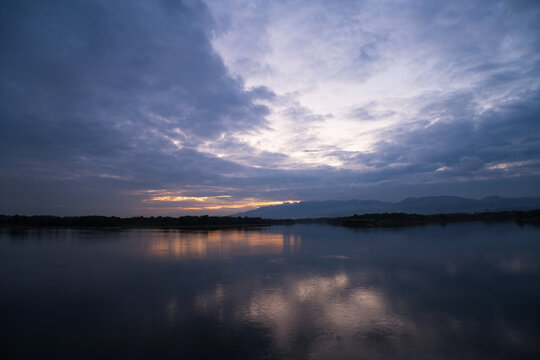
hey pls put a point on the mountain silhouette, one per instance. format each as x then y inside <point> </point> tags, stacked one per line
<point>418,205</point>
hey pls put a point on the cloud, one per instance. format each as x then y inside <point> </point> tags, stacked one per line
<point>381,65</point>
<point>120,90</point>
<point>265,102</point>
<point>103,77</point>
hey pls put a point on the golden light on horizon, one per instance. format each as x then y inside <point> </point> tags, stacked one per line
<point>239,206</point>
<point>201,203</point>
<point>179,198</point>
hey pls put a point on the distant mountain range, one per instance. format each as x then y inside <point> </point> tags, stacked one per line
<point>421,205</point>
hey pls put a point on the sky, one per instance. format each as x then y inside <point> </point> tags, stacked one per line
<point>214,107</point>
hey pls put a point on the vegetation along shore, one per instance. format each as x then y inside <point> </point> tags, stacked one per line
<point>210,222</point>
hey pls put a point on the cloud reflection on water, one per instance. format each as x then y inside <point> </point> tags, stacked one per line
<point>425,296</point>
<point>464,291</point>
<point>330,313</point>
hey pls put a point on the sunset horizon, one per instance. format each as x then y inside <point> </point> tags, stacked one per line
<point>192,107</point>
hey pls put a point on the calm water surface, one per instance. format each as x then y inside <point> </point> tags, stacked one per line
<point>462,291</point>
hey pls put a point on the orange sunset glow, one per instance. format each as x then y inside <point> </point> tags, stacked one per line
<point>201,203</point>
<point>221,244</point>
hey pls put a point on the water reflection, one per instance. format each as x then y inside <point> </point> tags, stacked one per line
<point>463,291</point>
<point>220,244</point>
<point>340,312</point>
<point>340,309</point>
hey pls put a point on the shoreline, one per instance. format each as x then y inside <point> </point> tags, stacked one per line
<point>204,222</point>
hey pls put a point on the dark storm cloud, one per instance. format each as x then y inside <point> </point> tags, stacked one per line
<point>98,77</point>
<point>97,89</point>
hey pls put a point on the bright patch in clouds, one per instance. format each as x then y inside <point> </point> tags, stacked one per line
<point>222,202</point>
<point>347,73</point>
<point>178,198</point>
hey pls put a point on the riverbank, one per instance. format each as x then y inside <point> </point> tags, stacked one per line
<point>226,222</point>
<point>113,222</point>
<point>403,219</point>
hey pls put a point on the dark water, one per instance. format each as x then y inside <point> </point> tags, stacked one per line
<point>463,291</point>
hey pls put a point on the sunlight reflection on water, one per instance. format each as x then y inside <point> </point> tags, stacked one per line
<point>219,244</point>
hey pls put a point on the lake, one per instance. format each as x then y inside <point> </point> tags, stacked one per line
<point>460,291</point>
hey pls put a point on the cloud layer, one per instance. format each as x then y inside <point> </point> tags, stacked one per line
<point>108,107</point>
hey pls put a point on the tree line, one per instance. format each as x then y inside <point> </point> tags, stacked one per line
<point>404,219</point>
<point>206,221</point>
<point>139,221</point>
